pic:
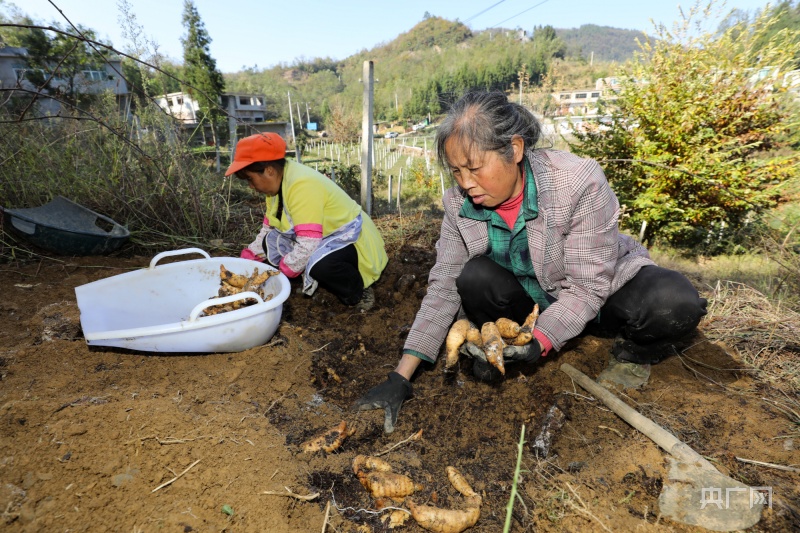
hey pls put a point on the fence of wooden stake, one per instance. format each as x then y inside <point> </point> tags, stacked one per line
<point>399,187</point>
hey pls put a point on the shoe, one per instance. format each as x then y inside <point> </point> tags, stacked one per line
<point>367,300</point>
<point>628,375</point>
<point>628,352</point>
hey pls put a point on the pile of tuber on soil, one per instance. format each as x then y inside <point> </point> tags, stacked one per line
<point>388,487</point>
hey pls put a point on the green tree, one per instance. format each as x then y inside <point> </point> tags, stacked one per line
<point>547,44</point>
<point>787,17</point>
<point>685,148</point>
<point>204,82</point>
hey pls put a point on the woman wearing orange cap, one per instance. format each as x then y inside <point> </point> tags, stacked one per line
<point>311,227</point>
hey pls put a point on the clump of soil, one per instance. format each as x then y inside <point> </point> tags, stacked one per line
<point>89,434</point>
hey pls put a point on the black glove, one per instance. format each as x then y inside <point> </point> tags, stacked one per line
<point>470,349</point>
<point>389,396</point>
<point>527,353</point>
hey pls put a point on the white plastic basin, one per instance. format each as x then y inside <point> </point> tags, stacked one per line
<point>158,308</point>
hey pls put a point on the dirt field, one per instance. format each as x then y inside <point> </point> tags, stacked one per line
<point>89,434</point>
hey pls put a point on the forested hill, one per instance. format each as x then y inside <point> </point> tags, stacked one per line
<point>423,69</point>
<point>601,43</point>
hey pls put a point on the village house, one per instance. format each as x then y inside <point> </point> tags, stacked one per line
<point>95,80</point>
<point>585,101</point>
<point>246,113</point>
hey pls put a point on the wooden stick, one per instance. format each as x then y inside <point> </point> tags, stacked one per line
<point>769,465</point>
<point>289,493</point>
<point>666,440</point>
<point>176,478</point>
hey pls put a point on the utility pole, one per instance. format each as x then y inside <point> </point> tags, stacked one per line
<point>308,117</point>
<point>294,139</point>
<point>524,79</point>
<point>366,139</point>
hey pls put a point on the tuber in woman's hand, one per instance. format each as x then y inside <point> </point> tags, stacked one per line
<point>389,396</point>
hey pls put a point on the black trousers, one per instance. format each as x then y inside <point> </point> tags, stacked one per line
<point>650,313</point>
<point>338,273</point>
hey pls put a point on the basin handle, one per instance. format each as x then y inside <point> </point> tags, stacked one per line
<point>199,308</point>
<point>162,255</point>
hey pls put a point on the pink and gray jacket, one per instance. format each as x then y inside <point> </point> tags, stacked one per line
<point>578,254</point>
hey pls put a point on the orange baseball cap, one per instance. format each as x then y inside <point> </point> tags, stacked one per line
<point>259,147</point>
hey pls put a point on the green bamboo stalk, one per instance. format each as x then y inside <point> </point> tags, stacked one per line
<point>510,505</point>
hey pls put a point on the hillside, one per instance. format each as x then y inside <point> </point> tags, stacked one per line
<point>607,43</point>
<point>435,61</point>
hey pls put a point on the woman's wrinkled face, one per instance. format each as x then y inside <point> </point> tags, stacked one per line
<point>487,177</point>
<point>268,181</point>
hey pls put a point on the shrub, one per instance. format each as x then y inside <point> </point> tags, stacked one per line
<point>684,149</point>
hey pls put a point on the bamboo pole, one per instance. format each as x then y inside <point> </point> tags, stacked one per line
<point>666,440</point>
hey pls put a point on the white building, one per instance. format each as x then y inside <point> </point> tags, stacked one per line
<point>244,108</point>
<point>104,77</point>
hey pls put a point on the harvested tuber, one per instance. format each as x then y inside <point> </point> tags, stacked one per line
<point>526,330</point>
<point>387,484</point>
<point>377,477</point>
<point>396,518</point>
<point>493,345</point>
<point>460,483</point>
<point>368,462</point>
<point>444,520</point>
<point>474,335</point>
<point>491,338</point>
<point>329,441</point>
<point>232,283</point>
<point>231,278</point>
<point>508,328</point>
<point>449,520</point>
<point>455,338</point>
<point>462,330</point>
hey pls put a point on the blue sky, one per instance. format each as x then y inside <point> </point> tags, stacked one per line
<point>263,33</point>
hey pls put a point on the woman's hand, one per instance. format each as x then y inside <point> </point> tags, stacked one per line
<point>527,353</point>
<point>247,253</point>
<point>388,396</point>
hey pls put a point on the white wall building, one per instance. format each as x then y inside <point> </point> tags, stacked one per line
<point>101,78</point>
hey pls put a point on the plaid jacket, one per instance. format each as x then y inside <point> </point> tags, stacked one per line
<point>578,254</point>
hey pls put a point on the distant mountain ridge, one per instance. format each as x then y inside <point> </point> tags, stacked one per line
<point>424,69</point>
<point>602,43</point>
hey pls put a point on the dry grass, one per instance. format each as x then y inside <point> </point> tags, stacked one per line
<point>420,228</point>
<point>765,334</point>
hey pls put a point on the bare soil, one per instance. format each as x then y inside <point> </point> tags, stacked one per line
<point>88,434</point>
